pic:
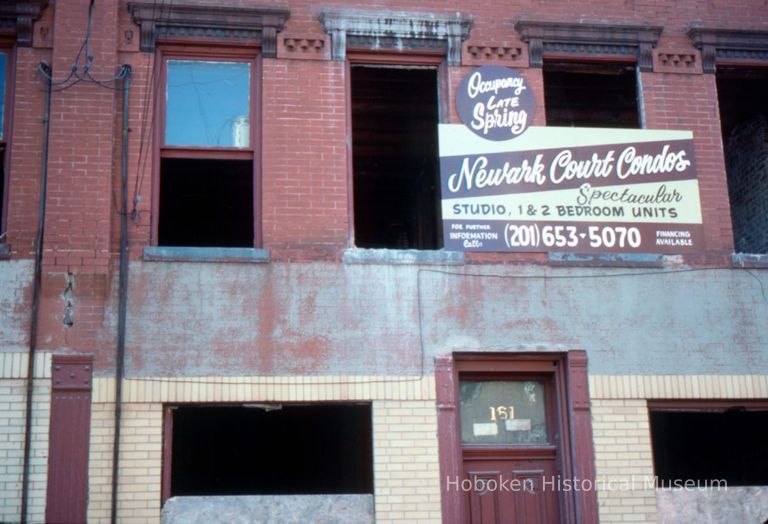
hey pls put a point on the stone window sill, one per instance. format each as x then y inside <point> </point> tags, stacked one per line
<point>206,254</point>
<point>633,260</point>
<point>413,257</point>
<point>750,260</point>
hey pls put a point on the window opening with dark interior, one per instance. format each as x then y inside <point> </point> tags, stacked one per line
<point>272,449</point>
<point>591,94</point>
<point>3,139</point>
<point>743,99</point>
<point>207,155</point>
<point>711,444</point>
<point>395,156</point>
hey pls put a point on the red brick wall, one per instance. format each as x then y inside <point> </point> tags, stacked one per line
<point>304,206</point>
<point>683,101</point>
<point>81,147</point>
<point>304,158</point>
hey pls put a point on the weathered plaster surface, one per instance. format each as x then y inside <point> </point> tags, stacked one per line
<point>327,318</point>
<point>287,509</point>
<point>15,292</point>
<point>736,504</point>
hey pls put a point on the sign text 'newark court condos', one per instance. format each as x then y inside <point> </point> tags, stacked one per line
<point>509,187</point>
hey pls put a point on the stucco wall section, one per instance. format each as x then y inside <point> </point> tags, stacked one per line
<point>734,504</point>
<point>15,293</point>
<point>286,509</point>
<point>333,319</point>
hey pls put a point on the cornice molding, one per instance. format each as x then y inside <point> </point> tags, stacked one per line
<point>589,38</point>
<point>225,22</point>
<point>733,45</point>
<point>395,30</point>
<point>19,17</point>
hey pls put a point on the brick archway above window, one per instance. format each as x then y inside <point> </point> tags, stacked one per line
<point>588,39</point>
<point>17,19</point>
<point>396,30</point>
<point>735,46</point>
<point>226,22</point>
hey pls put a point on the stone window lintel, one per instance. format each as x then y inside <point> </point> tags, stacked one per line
<point>589,38</point>
<point>230,22</point>
<point>402,26</point>
<point>728,44</point>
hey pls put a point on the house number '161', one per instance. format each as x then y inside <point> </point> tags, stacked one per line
<point>502,413</point>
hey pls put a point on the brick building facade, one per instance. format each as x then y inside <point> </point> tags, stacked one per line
<point>166,272</point>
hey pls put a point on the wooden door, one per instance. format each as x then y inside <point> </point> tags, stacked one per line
<point>510,448</point>
<point>70,422</point>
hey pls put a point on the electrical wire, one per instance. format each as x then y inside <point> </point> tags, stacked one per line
<point>75,75</point>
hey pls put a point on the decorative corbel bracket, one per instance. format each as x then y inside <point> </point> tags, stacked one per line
<point>588,38</point>
<point>221,22</point>
<point>728,45</point>
<point>397,30</point>
<point>20,17</point>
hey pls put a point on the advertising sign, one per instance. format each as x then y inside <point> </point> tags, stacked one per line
<point>570,190</point>
<point>495,103</point>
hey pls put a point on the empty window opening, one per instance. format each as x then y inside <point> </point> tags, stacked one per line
<point>702,446</point>
<point>2,193</point>
<point>3,143</point>
<point>206,203</point>
<point>744,121</point>
<point>272,449</point>
<point>395,157</point>
<point>591,95</point>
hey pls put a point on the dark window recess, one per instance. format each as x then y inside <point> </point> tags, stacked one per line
<point>2,192</point>
<point>590,95</point>
<point>3,143</point>
<point>701,446</point>
<point>281,450</point>
<point>206,203</point>
<point>744,120</point>
<point>395,157</point>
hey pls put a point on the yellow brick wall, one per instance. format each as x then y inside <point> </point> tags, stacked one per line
<point>141,446</point>
<point>621,432</point>
<point>13,392</point>
<point>405,461</point>
<point>623,461</point>
<point>406,466</point>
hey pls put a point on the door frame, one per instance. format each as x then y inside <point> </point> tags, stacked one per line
<point>575,449</point>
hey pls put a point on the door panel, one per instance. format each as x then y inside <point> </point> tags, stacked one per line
<point>509,451</point>
<point>507,491</point>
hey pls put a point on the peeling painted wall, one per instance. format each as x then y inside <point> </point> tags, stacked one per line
<point>326,318</point>
<point>15,296</point>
